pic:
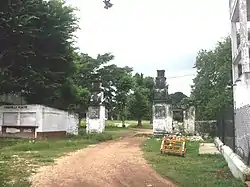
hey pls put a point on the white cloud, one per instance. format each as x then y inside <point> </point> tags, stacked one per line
<point>151,35</point>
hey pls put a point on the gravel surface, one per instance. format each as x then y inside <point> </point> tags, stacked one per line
<point>116,163</point>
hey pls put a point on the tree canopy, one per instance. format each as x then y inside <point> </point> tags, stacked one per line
<point>39,62</point>
<point>36,56</point>
<point>210,91</point>
<point>140,103</point>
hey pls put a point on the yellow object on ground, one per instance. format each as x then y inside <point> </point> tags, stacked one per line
<point>173,145</point>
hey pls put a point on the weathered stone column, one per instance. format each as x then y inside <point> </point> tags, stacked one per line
<point>96,111</point>
<point>162,114</point>
<point>189,120</point>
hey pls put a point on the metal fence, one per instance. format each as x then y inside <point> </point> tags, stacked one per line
<point>206,128</point>
<point>222,127</point>
<point>225,128</point>
<point>242,133</point>
<point>233,129</point>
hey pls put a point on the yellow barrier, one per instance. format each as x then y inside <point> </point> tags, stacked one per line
<point>172,145</point>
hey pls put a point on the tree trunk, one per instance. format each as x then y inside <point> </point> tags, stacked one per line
<point>139,124</point>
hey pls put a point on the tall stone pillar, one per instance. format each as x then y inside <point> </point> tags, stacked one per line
<point>96,111</point>
<point>162,114</point>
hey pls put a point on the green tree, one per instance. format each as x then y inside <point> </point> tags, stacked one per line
<point>116,82</point>
<point>87,68</point>
<point>36,45</point>
<point>149,85</point>
<point>210,91</point>
<point>123,90</point>
<point>176,99</point>
<point>140,105</point>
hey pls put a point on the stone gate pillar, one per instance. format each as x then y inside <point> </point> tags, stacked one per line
<point>189,120</point>
<point>162,114</point>
<point>96,112</point>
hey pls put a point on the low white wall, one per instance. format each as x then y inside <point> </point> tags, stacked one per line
<point>72,124</point>
<point>45,119</point>
<point>53,120</point>
<point>58,120</point>
<point>20,115</point>
<point>218,143</point>
<point>235,164</point>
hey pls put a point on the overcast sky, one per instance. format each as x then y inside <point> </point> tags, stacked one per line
<point>153,34</point>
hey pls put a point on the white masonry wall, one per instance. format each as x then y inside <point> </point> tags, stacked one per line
<point>73,124</point>
<point>53,120</point>
<point>20,115</point>
<point>45,119</point>
<point>58,120</point>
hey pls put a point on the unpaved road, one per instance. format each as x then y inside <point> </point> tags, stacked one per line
<point>116,163</point>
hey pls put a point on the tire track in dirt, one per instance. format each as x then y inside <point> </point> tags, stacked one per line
<point>116,163</point>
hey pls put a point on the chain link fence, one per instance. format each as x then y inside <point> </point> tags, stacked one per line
<point>242,133</point>
<point>233,129</point>
<point>222,127</point>
<point>206,128</point>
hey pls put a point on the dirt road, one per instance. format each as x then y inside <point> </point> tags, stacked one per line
<point>117,163</point>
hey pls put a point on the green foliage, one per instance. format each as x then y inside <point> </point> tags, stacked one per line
<point>36,48</point>
<point>117,82</point>
<point>210,91</point>
<point>86,70</point>
<point>124,86</point>
<point>140,103</point>
<point>177,99</point>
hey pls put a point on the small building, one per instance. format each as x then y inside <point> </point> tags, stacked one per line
<point>36,121</point>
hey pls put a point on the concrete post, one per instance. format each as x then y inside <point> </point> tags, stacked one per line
<point>95,122</point>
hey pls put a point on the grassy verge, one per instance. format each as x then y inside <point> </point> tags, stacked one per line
<point>20,158</point>
<point>193,170</point>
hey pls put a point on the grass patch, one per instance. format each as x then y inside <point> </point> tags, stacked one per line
<point>20,158</point>
<point>192,170</point>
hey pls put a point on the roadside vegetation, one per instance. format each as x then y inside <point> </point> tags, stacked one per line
<point>193,169</point>
<point>19,158</point>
